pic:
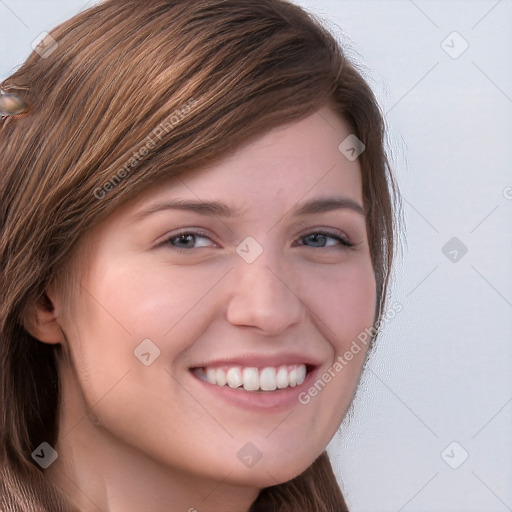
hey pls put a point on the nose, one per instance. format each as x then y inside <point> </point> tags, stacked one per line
<point>263,297</point>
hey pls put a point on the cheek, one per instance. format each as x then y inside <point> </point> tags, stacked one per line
<point>121,305</point>
<point>357,305</point>
<point>352,317</point>
<point>344,301</point>
<point>143,300</point>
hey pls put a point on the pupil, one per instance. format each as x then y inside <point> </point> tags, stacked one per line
<point>184,239</point>
<point>318,239</point>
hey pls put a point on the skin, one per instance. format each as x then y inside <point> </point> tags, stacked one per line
<point>135,437</point>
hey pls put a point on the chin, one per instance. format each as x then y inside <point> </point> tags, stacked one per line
<point>273,472</point>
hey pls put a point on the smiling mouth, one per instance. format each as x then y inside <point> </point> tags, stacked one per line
<point>269,378</point>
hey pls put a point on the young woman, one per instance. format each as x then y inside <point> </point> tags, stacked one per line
<point>196,219</point>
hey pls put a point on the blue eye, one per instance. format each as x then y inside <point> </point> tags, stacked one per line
<point>190,239</point>
<point>320,240</point>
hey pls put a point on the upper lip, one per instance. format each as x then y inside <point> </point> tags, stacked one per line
<point>261,360</point>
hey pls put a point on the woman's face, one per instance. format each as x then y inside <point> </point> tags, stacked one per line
<point>240,271</point>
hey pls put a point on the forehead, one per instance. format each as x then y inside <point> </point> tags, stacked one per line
<point>290,163</point>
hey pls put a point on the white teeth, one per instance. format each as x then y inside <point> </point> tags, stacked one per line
<point>292,378</point>
<point>253,379</point>
<point>268,379</point>
<point>234,377</point>
<point>211,375</point>
<point>282,377</point>
<point>301,374</point>
<point>221,377</point>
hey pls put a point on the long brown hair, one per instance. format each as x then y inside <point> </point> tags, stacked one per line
<point>189,81</point>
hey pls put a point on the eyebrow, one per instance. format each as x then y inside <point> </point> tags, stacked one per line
<point>218,209</point>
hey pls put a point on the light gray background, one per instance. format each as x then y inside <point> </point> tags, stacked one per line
<point>442,369</point>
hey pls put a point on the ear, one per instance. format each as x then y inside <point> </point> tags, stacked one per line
<point>42,321</point>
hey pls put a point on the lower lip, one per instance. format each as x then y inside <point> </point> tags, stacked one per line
<point>271,401</point>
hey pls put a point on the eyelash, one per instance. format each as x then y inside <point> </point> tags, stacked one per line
<point>344,243</point>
